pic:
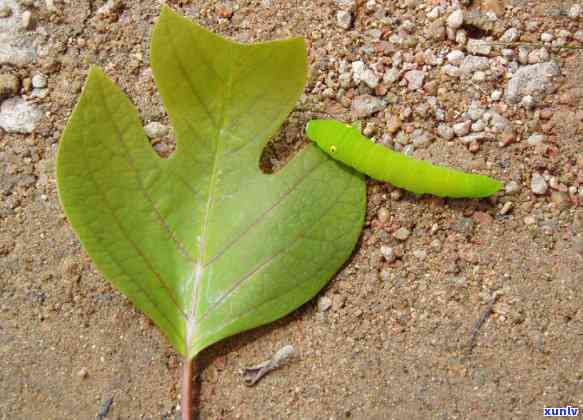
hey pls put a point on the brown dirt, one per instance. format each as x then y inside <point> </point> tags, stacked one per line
<point>396,342</point>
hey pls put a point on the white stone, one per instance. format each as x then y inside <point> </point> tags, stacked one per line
<point>51,6</point>
<point>324,303</point>
<point>39,81</point>
<point>445,132</point>
<point>461,37</point>
<point>455,57</point>
<point>473,63</point>
<point>456,19</point>
<point>433,13</point>
<point>511,35</point>
<point>391,76</point>
<point>546,37</point>
<point>451,70</point>
<point>155,129</point>
<point>27,19</point>
<point>346,4</point>
<point>415,79</point>
<point>478,46</point>
<point>344,19</point>
<point>575,11</point>
<point>538,185</point>
<point>19,116</point>
<point>479,76</point>
<point>462,128</point>
<point>370,78</point>
<point>475,111</point>
<point>496,95</point>
<point>536,138</point>
<point>365,105</point>
<point>538,56</point>
<point>535,79</point>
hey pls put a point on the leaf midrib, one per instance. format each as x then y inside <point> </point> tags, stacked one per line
<point>199,266</point>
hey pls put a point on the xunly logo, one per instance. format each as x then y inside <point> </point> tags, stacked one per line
<point>561,411</point>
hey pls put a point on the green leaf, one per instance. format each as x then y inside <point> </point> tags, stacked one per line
<point>203,242</point>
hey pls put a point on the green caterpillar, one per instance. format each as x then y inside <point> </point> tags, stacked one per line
<point>345,143</point>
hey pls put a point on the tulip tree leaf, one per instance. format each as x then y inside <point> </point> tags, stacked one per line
<point>204,242</point>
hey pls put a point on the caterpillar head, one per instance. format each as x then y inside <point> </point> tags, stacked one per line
<point>329,135</point>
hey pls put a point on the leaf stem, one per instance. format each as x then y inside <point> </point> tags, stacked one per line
<point>187,389</point>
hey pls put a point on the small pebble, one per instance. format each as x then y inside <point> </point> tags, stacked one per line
<point>538,185</point>
<point>451,70</point>
<point>456,19</point>
<point>536,139</point>
<point>529,220</point>
<point>155,130</point>
<point>388,253</point>
<point>82,373</point>
<point>344,19</point>
<point>324,303</point>
<point>496,95</point>
<point>463,128</point>
<point>383,215</point>
<point>478,126</point>
<point>511,35</point>
<point>391,76</point>
<point>393,124</point>
<point>415,79</point>
<point>402,234</point>
<point>445,132</point>
<point>419,254</point>
<point>475,111</point>
<point>27,19</point>
<point>39,81</point>
<point>19,116</point>
<point>456,57</point>
<point>479,76</point>
<point>9,85</point>
<point>546,37</point>
<point>366,105</point>
<point>346,4</point>
<point>5,12</point>
<point>512,187</point>
<point>478,46</point>
<point>51,7</point>
<point>506,208</point>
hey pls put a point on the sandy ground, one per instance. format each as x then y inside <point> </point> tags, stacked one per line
<point>400,339</point>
